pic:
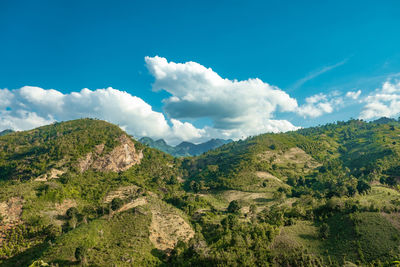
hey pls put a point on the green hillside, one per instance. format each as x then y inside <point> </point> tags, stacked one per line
<point>24,155</point>
<point>84,193</point>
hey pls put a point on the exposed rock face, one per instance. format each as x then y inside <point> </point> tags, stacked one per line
<point>53,174</point>
<point>119,159</point>
<point>11,210</point>
<point>10,213</point>
<point>167,229</point>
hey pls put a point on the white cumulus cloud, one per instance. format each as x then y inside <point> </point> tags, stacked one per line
<point>383,102</point>
<point>320,104</point>
<point>30,107</point>
<point>236,108</point>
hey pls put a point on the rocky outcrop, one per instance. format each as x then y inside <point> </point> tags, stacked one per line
<point>10,215</point>
<point>53,174</point>
<point>119,159</point>
<point>167,229</point>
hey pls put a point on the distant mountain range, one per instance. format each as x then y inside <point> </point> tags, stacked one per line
<point>7,131</point>
<point>185,148</point>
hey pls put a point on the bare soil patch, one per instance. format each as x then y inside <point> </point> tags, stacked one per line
<point>167,229</point>
<point>122,193</point>
<point>267,176</point>
<point>230,195</point>
<point>53,174</point>
<point>137,202</point>
<point>10,214</point>
<point>294,155</point>
<point>393,218</point>
<point>57,212</point>
<point>119,159</point>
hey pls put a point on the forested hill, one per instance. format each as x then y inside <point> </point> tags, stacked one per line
<point>84,192</point>
<point>353,149</point>
<point>28,154</point>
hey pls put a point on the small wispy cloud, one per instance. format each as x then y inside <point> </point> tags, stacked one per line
<point>317,73</point>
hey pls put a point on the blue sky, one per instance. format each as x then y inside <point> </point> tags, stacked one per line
<point>303,48</point>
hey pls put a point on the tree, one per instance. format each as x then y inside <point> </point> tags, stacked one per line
<point>253,209</point>
<point>230,221</point>
<point>72,222</point>
<point>53,231</point>
<point>234,206</point>
<point>80,254</point>
<point>363,186</point>
<point>195,186</point>
<point>72,213</point>
<point>351,190</point>
<point>391,180</point>
<point>279,196</point>
<point>324,230</point>
<point>116,203</point>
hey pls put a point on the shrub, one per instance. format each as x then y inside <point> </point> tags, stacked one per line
<point>363,186</point>
<point>53,231</point>
<point>72,213</point>
<point>116,203</point>
<point>324,231</point>
<point>234,206</point>
<point>80,253</point>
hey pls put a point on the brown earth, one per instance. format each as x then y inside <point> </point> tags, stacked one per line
<point>54,173</point>
<point>119,159</point>
<point>167,229</point>
<point>137,202</point>
<point>293,155</point>
<point>59,210</point>
<point>122,193</point>
<point>231,195</point>
<point>10,213</point>
<point>267,176</point>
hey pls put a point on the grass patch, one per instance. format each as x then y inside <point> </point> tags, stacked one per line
<point>123,240</point>
<point>362,237</point>
<point>376,237</point>
<point>341,243</point>
<point>379,196</point>
<point>304,234</point>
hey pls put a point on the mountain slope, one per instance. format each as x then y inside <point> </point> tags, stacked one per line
<point>84,193</point>
<point>352,149</point>
<point>95,160</point>
<point>27,155</point>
